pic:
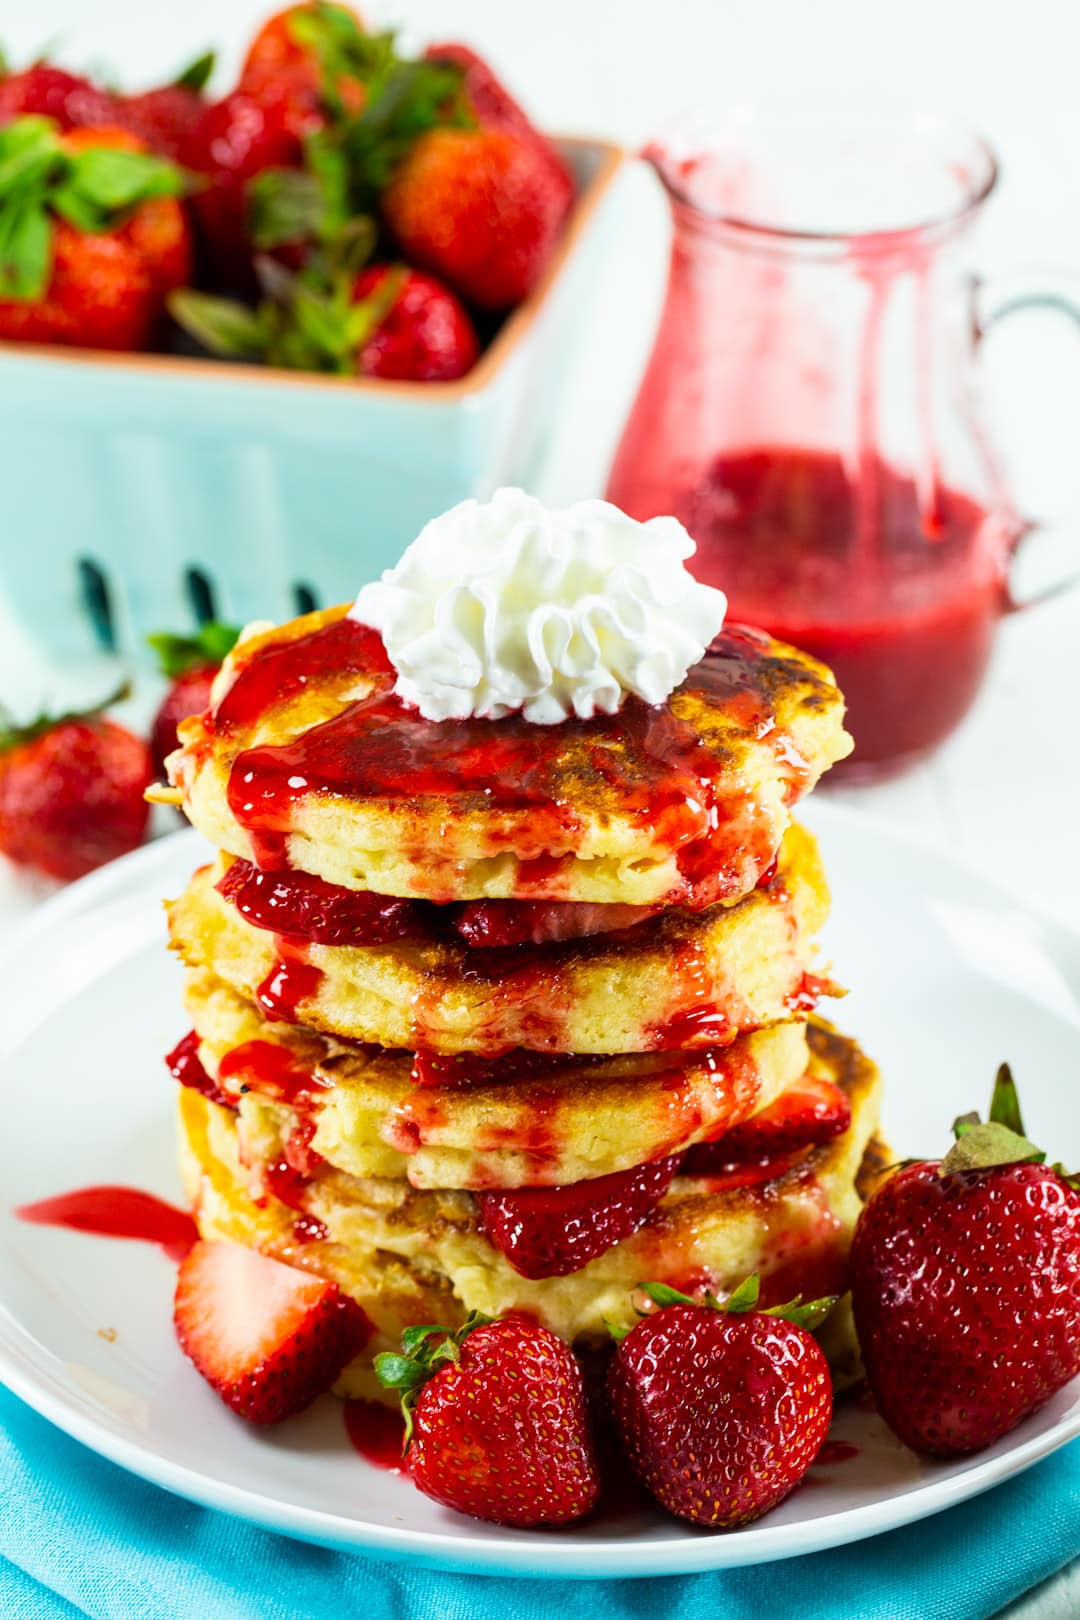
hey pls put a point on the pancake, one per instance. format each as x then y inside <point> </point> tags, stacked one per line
<point>307,759</point>
<point>572,1123</point>
<point>794,1231</point>
<point>681,979</point>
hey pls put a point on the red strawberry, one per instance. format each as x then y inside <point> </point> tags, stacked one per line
<point>497,1424</point>
<point>495,923</point>
<point>552,1231</point>
<point>50,92</point>
<point>426,336</point>
<point>966,1285</point>
<point>120,245</point>
<point>387,321</point>
<point>268,1338</point>
<point>307,45</point>
<point>190,662</point>
<point>71,792</point>
<point>299,905</point>
<point>491,102</point>
<point>721,1409</point>
<point>811,1111</point>
<point>235,140</point>
<point>480,208</point>
<point>166,118</point>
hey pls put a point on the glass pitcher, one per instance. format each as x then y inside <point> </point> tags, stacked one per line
<point>808,411</point>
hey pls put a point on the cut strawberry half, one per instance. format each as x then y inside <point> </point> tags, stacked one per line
<point>492,923</point>
<point>267,1337</point>
<point>811,1112</point>
<point>552,1231</point>
<point>302,906</point>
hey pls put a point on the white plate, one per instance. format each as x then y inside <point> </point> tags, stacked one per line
<point>951,975</point>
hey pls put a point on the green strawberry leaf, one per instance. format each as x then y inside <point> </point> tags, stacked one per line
<point>809,1315</point>
<point>662,1295</point>
<point>109,178</point>
<point>981,1147</point>
<point>196,75</point>
<point>1005,1102</point>
<point>177,654</point>
<point>25,251</point>
<point>222,325</point>
<point>423,1351</point>
<point>286,206</point>
<point>14,736</point>
<point>745,1297</point>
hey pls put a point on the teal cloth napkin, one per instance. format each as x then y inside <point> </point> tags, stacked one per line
<point>80,1537</point>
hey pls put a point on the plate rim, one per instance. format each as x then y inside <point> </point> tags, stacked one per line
<point>533,1554</point>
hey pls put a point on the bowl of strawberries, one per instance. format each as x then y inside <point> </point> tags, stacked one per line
<point>244,336</point>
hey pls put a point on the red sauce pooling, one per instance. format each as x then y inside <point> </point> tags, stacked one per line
<point>271,1070</point>
<point>280,672</point>
<point>185,1065</point>
<point>378,748</point>
<point>117,1212</point>
<point>377,1433</point>
<point>288,983</point>
<point>309,1229</point>
<point>836,1451</point>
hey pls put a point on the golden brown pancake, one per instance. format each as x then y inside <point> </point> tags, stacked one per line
<point>681,979</point>
<point>571,1123</point>
<point>307,759</point>
<point>794,1231</point>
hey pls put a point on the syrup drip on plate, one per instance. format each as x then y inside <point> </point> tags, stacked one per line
<point>117,1212</point>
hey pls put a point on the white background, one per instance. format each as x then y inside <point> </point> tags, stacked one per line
<point>1006,791</point>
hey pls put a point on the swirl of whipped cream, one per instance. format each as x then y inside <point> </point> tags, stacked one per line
<point>511,606</point>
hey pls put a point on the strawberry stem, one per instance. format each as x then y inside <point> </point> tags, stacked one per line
<point>424,1350</point>
<point>14,736</point>
<point>177,654</point>
<point>1000,1140</point>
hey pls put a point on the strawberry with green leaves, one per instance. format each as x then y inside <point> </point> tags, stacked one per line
<point>190,662</point>
<point>497,1421</point>
<point>966,1285</point>
<point>721,1408</point>
<point>93,236</point>
<point>71,791</point>
<point>385,321</point>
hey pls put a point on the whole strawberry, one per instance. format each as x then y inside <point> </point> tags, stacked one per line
<point>966,1285</point>
<point>190,662</point>
<point>481,208</point>
<point>71,792</point>
<point>70,99</point>
<point>721,1409</point>
<point>387,321</point>
<point>96,236</point>
<point>497,1423</point>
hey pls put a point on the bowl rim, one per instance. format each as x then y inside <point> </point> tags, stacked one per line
<point>495,356</point>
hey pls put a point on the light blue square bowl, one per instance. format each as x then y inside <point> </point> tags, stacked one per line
<point>142,491</point>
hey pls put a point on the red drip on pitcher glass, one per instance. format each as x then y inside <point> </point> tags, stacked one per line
<point>807,411</point>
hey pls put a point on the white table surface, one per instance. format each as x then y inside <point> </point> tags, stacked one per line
<point>1005,791</point>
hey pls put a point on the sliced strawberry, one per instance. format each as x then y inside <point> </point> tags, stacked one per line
<point>494,923</point>
<point>268,1338</point>
<point>457,1071</point>
<point>812,1111</point>
<point>302,906</point>
<point>552,1231</point>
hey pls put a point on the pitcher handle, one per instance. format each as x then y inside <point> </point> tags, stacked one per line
<point>1014,293</point>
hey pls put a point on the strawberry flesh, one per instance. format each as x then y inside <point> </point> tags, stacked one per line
<point>966,1288</point>
<point>811,1112</point>
<point>302,906</point>
<point>268,1338</point>
<point>494,923</point>
<point>553,1231</point>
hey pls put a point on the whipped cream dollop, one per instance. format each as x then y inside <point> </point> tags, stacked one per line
<point>510,606</point>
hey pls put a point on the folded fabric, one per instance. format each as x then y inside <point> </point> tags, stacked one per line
<point>79,1536</point>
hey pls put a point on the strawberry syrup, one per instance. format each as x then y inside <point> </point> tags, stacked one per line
<point>836,1451</point>
<point>654,761</point>
<point>117,1212</point>
<point>376,1433</point>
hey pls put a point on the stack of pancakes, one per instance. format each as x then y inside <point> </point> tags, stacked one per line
<point>437,964</point>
